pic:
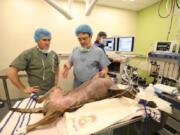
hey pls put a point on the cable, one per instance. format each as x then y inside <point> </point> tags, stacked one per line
<point>178,30</point>
<point>172,17</point>
<point>173,4</point>
<point>167,5</point>
<point>177,4</point>
<point>168,14</point>
<point>144,103</point>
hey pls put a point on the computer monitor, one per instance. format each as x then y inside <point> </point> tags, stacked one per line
<point>125,44</point>
<point>109,44</point>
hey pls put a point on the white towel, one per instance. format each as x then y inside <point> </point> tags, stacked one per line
<point>98,115</point>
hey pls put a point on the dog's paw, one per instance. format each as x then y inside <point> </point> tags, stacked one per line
<point>20,131</point>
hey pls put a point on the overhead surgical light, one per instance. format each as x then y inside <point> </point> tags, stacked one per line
<point>60,9</point>
<point>89,6</point>
<point>70,2</point>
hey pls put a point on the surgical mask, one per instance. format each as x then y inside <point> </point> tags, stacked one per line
<point>46,51</point>
<point>102,41</point>
<point>84,50</point>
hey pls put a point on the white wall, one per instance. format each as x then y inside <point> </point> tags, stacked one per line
<point>20,18</point>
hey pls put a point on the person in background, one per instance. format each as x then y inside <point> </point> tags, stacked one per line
<point>40,63</point>
<point>100,42</point>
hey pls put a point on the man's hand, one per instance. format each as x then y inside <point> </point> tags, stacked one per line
<point>96,75</point>
<point>31,89</point>
<point>101,74</point>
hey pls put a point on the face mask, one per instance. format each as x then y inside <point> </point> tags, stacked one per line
<point>102,41</point>
<point>46,51</point>
<point>84,50</point>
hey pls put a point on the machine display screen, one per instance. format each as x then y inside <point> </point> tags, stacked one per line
<point>109,44</point>
<point>163,46</point>
<point>125,44</point>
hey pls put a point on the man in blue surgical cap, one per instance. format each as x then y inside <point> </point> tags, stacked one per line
<point>40,63</point>
<point>88,61</point>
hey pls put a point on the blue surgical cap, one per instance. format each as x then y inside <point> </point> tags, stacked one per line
<point>40,33</point>
<point>84,28</point>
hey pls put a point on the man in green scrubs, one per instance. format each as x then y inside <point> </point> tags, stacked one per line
<point>40,63</point>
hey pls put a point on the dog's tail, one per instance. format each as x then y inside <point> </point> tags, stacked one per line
<point>33,110</point>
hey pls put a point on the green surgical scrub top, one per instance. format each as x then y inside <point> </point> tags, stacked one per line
<point>40,67</point>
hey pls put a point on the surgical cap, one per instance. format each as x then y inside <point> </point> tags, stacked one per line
<point>83,29</point>
<point>40,33</point>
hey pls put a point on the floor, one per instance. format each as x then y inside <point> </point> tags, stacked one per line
<point>4,110</point>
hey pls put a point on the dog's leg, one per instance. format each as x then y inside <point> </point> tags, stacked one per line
<point>46,120</point>
<point>32,110</point>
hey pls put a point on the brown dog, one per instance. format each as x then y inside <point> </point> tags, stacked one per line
<point>56,101</point>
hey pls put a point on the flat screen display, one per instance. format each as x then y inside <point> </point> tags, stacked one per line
<point>109,44</point>
<point>125,44</point>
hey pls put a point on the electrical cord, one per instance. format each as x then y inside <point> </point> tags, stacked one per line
<point>170,11</point>
<point>173,4</point>
<point>144,103</point>
<point>177,4</point>
<point>167,5</point>
<point>172,17</point>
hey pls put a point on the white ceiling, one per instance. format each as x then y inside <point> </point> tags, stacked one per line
<point>135,5</point>
<point>128,4</point>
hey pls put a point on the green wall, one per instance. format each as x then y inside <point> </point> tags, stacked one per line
<point>150,28</point>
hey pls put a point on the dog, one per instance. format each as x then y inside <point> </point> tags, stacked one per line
<point>57,101</point>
